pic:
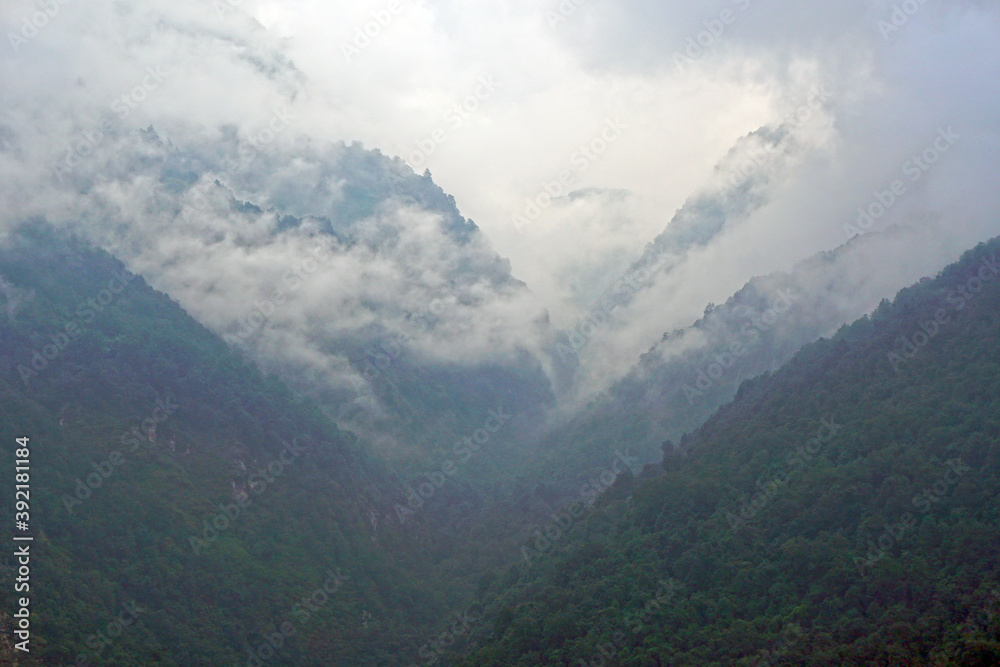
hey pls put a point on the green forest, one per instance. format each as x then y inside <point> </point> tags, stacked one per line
<point>191,510</point>
<point>842,510</point>
<point>178,489</point>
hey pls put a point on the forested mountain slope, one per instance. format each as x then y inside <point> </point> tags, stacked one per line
<point>683,379</point>
<point>180,493</point>
<point>338,268</point>
<point>843,510</point>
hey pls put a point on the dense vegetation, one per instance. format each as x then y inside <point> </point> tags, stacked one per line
<point>176,488</point>
<point>842,510</point>
<point>693,371</point>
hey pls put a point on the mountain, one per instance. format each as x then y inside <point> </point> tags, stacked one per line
<point>691,372</point>
<point>841,510</point>
<point>745,180</point>
<point>179,492</point>
<point>335,314</point>
<point>336,267</point>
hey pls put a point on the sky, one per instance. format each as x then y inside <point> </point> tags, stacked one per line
<point>570,132</point>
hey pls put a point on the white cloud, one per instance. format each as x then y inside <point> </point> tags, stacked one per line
<point>231,72</point>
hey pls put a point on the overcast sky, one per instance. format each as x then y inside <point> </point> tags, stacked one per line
<point>502,100</point>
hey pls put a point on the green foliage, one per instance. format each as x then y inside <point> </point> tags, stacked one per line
<point>841,510</point>
<point>869,540</point>
<point>115,504</point>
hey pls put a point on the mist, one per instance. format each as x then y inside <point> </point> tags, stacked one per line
<point>571,136</point>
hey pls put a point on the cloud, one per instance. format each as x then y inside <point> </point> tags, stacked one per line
<point>687,82</point>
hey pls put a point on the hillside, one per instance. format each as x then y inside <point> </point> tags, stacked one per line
<point>841,510</point>
<point>692,371</point>
<point>177,489</point>
<point>338,268</point>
